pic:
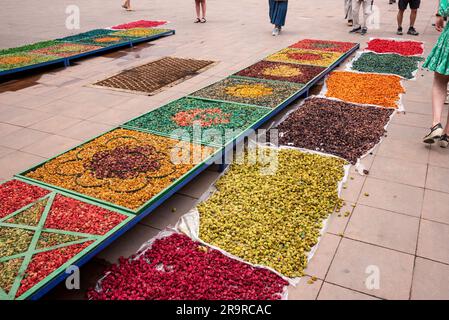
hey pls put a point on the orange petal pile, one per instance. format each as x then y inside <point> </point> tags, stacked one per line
<point>374,89</point>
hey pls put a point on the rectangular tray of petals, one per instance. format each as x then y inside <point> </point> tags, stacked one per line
<point>258,92</point>
<point>279,71</point>
<point>213,123</point>
<point>324,45</point>
<point>305,56</point>
<point>125,169</point>
<point>47,232</point>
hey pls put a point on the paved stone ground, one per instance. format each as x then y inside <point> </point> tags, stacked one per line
<point>402,227</point>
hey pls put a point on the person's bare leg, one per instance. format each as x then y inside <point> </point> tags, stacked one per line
<point>203,6</point>
<point>413,16</point>
<point>198,8</point>
<point>439,94</point>
<point>128,4</point>
<point>400,18</point>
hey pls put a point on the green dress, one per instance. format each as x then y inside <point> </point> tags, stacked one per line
<point>438,60</point>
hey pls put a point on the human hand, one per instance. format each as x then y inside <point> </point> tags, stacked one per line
<point>439,24</point>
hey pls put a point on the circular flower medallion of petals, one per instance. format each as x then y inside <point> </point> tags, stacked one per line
<point>204,117</point>
<point>124,162</point>
<point>118,165</point>
<point>123,167</point>
<point>249,90</point>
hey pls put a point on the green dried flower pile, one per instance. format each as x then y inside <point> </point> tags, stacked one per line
<point>387,63</point>
<point>273,220</point>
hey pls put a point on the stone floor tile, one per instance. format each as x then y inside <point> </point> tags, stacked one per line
<point>392,196</point>
<point>383,228</point>
<point>357,263</point>
<point>433,241</point>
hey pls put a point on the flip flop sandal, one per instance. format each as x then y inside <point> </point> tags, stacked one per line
<point>198,20</point>
<point>203,20</point>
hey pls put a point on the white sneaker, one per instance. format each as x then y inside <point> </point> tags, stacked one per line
<point>435,134</point>
<point>276,32</point>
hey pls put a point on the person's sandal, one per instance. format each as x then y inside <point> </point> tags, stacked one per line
<point>203,20</point>
<point>435,134</point>
<point>444,141</point>
<point>198,20</point>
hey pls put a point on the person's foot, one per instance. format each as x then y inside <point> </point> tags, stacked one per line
<point>350,23</point>
<point>444,141</point>
<point>412,31</point>
<point>276,32</point>
<point>203,20</point>
<point>198,20</point>
<point>399,32</point>
<point>356,30</point>
<point>364,31</point>
<point>392,1</point>
<point>435,134</point>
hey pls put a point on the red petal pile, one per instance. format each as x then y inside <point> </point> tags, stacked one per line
<point>405,48</point>
<point>73,215</point>
<point>139,24</point>
<point>177,268</point>
<point>16,194</point>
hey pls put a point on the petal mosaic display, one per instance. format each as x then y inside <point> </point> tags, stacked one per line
<point>218,122</point>
<point>66,49</point>
<point>104,40</point>
<point>22,59</point>
<point>38,241</point>
<point>282,72</point>
<point>88,34</point>
<point>304,56</point>
<point>123,167</point>
<point>249,91</point>
<point>324,45</point>
<point>139,32</point>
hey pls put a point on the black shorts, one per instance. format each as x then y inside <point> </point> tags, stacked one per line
<point>414,4</point>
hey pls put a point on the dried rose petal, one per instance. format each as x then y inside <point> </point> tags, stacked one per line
<point>177,268</point>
